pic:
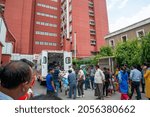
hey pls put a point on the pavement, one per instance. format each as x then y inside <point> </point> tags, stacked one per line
<point>89,94</point>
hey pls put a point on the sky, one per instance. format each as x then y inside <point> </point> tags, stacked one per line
<point>122,13</point>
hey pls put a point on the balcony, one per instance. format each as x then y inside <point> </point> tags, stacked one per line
<point>91,4</point>
<point>91,13</point>
<point>70,18</point>
<point>93,42</point>
<point>70,29</point>
<point>92,32</point>
<point>92,22</point>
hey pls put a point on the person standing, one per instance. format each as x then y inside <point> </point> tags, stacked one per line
<point>143,79</point>
<point>147,81</point>
<point>135,77</point>
<point>99,81</point>
<point>81,78</point>
<point>29,94</point>
<point>123,83</point>
<point>72,84</point>
<point>56,79</point>
<point>50,83</point>
<point>107,82</point>
<point>92,73</point>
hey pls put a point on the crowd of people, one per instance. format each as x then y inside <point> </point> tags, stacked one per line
<point>102,81</point>
<point>17,80</point>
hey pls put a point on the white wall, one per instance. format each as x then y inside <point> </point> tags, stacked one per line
<point>8,47</point>
<point>2,31</point>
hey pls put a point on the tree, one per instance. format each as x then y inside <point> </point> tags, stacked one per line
<point>128,53</point>
<point>106,51</point>
<point>145,46</point>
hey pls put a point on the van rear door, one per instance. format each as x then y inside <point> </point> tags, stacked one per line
<point>67,60</point>
<point>44,63</point>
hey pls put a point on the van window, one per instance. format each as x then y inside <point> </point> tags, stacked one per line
<point>44,60</point>
<point>67,60</point>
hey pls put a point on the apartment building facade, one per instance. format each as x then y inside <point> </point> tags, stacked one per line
<point>70,25</point>
<point>83,26</point>
<point>134,31</point>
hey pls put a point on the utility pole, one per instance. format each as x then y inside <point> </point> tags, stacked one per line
<point>75,45</point>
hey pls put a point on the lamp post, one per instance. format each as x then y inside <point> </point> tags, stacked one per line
<point>75,44</point>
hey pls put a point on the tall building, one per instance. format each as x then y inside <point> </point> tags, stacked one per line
<point>83,26</point>
<point>47,25</point>
<point>19,18</point>
<point>71,25</point>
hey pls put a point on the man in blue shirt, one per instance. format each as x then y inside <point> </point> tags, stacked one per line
<point>50,83</point>
<point>135,77</point>
<point>72,84</point>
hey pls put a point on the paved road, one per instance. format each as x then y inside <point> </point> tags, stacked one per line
<point>89,94</point>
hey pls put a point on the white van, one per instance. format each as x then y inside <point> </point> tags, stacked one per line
<point>63,58</point>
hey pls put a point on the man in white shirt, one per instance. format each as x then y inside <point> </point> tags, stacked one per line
<point>81,78</point>
<point>99,81</point>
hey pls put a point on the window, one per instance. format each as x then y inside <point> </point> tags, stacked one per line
<point>91,13</point>
<point>50,43</point>
<point>70,18</point>
<point>46,24</point>
<point>37,42</point>
<point>55,0</point>
<point>92,22</point>
<point>70,28</point>
<point>112,43</point>
<point>45,43</point>
<point>124,38</point>
<point>140,33</point>
<point>46,33</point>
<point>67,60</point>
<point>93,42</point>
<point>47,15</point>
<point>91,4</point>
<point>46,6</point>
<point>92,32</point>
<point>44,59</point>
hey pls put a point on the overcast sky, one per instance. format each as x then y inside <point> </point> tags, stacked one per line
<point>122,13</point>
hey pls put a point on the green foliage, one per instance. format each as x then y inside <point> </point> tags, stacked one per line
<point>106,51</point>
<point>131,52</point>
<point>95,59</point>
<point>77,62</point>
<point>145,47</point>
<point>128,53</point>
